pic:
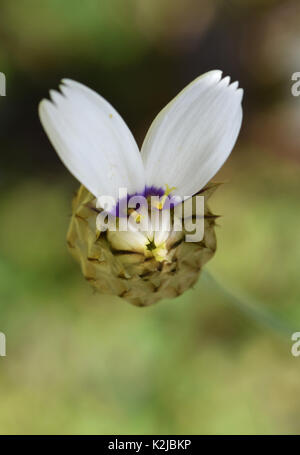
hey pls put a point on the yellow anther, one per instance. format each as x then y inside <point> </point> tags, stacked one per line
<point>160,252</point>
<point>168,191</point>
<point>137,216</point>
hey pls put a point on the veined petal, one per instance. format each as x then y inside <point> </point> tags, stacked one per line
<point>92,140</point>
<point>193,135</point>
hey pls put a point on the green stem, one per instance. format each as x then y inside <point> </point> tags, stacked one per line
<point>249,306</point>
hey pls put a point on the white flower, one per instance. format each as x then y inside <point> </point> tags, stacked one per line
<point>185,146</point>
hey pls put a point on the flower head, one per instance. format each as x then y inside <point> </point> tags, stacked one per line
<point>185,146</point>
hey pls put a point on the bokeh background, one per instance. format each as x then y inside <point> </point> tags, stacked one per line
<point>216,360</point>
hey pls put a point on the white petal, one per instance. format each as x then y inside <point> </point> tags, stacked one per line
<point>92,140</point>
<point>193,135</point>
<point>128,240</point>
<point>139,235</point>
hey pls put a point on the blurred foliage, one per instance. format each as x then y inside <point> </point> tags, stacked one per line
<point>81,363</point>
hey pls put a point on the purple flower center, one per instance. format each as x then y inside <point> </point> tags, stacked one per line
<point>120,209</point>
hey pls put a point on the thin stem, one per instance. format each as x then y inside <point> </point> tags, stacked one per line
<point>250,307</point>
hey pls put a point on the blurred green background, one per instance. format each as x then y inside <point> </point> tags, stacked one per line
<point>202,363</point>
